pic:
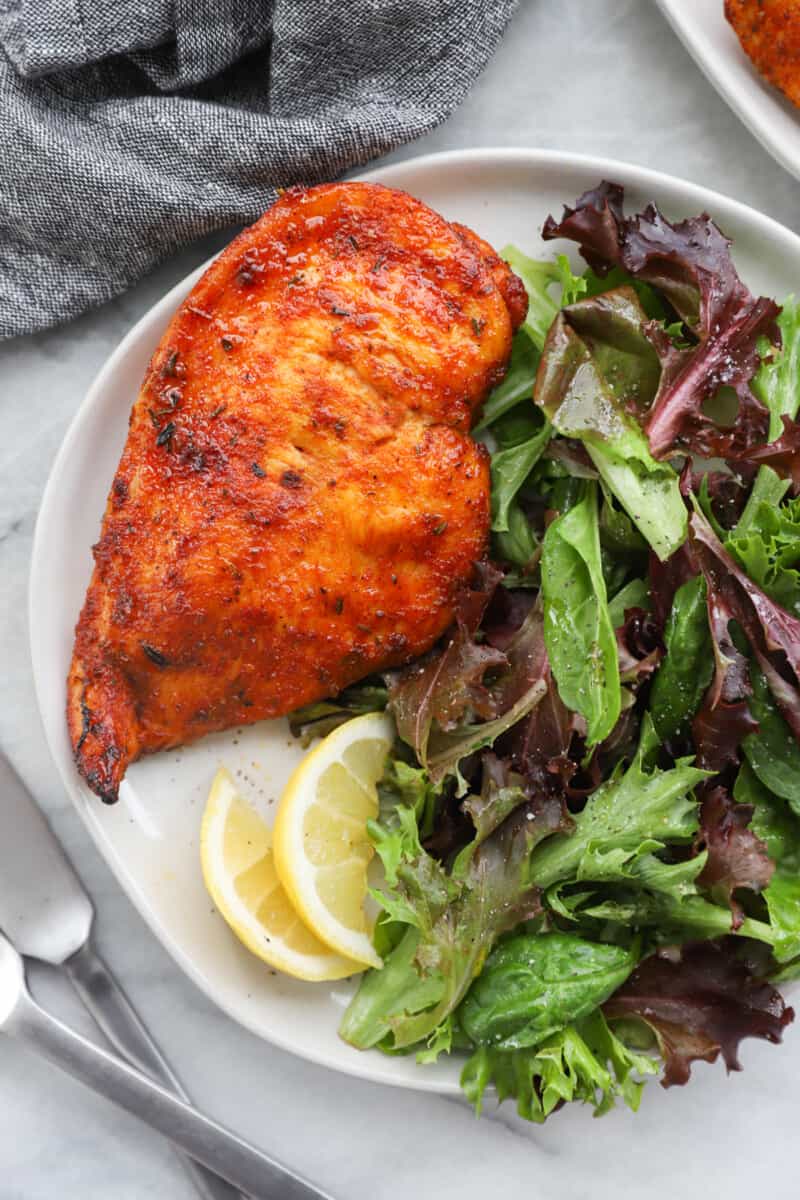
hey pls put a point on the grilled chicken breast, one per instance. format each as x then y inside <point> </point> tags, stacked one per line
<point>298,501</point>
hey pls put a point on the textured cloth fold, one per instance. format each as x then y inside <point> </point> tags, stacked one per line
<point>129,128</point>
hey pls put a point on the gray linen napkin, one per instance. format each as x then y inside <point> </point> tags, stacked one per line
<point>130,127</point>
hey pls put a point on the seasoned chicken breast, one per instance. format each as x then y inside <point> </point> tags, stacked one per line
<point>299,501</point>
<point>769,31</point>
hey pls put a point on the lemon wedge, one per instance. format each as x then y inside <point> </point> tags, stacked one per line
<point>322,849</point>
<point>239,872</point>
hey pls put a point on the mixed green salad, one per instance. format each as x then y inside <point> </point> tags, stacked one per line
<point>590,824</point>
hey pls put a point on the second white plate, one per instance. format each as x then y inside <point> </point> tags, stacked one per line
<point>770,117</point>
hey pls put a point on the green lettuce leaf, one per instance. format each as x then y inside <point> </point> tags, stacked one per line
<point>578,630</point>
<point>452,918</point>
<point>775,384</point>
<point>779,828</point>
<point>597,364</point>
<point>635,594</point>
<point>688,667</point>
<point>772,751</point>
<point>585,1062</point>
<point>518,544</point>
<point>769,489</point>
<point>539,278</point>
<point>410,786</point>
<point>769,549</point>
<point>626,818</point>
<point>521,446</point>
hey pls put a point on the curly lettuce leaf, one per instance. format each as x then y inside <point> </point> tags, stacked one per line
<point>597,366</point>
<point>451,918</point>
<point>578,631</point>
<point>627,817</point>
<point>767,547</point>
<point>585,1062</point>
<point>736,858</point>
<point>514,693</point>
<point>402,783</point>
<point>724,718</point>
<point>539,278</point>
<point>782,455</point>
<point>700,1005</point>
<point>778,828</point>
<point>463,695</point>
<point>768,488</point>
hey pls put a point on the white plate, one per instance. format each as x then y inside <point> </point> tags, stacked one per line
<point>774,120</point>
<point>150,838</point>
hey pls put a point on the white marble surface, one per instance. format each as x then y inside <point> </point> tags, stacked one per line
<point>602,76</point>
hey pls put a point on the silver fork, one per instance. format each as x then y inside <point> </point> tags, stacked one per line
<point>46,913</point>
<point>200,1137</point>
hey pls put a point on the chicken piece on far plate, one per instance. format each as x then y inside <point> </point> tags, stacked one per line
<point>769,31</point>
<point>299,501</point>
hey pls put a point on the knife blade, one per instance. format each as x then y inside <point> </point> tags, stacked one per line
<point>44,909</point>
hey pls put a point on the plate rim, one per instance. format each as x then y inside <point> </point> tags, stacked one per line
<point>488,156</point>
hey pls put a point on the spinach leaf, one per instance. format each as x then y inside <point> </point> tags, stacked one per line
<point>518,544</point>
<point>688,667</point>
<point>517,383</point>
<point>578,631</point>
<point>772,750</point>
<point>584,1062</point>
<point>772,819</point>
<point>532,985</point>
<point>597,365</point>
<point>647,490</point>
<point>513,462</point>
<point>775,384</point>
<point>634,594</point>
<point>618,534</point>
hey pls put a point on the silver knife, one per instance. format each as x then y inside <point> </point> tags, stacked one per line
<point>46,913</point>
